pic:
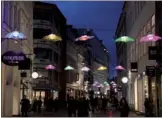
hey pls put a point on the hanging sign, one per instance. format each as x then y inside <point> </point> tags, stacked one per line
<point>12,58</point>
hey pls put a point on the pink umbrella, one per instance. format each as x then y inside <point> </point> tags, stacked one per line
<point>149,38</point>
<point>119,68</point>
<point>50,67</point>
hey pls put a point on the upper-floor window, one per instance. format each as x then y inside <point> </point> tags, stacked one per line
<point>43,53</point>
<point>43,15</point>
<point>39,33</point>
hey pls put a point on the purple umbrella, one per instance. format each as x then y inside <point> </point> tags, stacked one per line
<point>50,67</point>
<point>119,68</point>
<point>150,38</point>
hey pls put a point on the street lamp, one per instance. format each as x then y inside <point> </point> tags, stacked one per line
<point>124,80</point>
<point>35,75</point>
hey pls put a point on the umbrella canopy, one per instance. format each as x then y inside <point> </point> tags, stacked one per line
<point>16,35</point>
<point>86,69</point>
<point>119,68</point>
<point>69,68</point>
<point>150,38</point>
<point>102,68</point>
<point>124,39</point>
<point>84,38</point>
<point>52,37</point>
<point>49,67</point>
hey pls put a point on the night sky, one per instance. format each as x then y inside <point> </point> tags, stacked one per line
<point>101,16</point>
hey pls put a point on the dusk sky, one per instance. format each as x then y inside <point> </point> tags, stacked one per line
<point>102,17</point>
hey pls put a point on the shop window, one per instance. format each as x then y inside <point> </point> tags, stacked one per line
<point>43,53</point>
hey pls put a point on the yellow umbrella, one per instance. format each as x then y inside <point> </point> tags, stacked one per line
<point>102,68</point>
<point>52,37</point>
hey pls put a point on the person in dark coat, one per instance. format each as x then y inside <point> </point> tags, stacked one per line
<point>39,105</point>
<point>25,105</point>
<point>83,107</point>
<point>151,108</point>
<point>146,104</point>
<point>124,108</point>
<point>34,106</point>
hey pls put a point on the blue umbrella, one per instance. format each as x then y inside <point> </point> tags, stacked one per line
<point>15,35</point>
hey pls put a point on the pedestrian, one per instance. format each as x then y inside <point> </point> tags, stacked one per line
<point>124,108</point>
<point>34,105</point>
<point>151,108</point>
<point>70,105</point>
<point>83,108</point>
<point>25,105</point>
<point>39,105</point>
<point>146,104</point>
<point>116,103</point>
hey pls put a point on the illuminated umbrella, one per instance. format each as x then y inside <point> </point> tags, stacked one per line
<point>69,68</point>
<point>102,68</point>
<point>84,38</point>
<point>150,38</point>
<point>101,85</point>
<point>15,35</point>
<point>86,69</point>
<point>124,39</point>
<point>50,67</point>
<point>52,37</point>
<point>119,68</point>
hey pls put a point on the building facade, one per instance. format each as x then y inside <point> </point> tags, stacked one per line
<point>140,21</point>
<point>46,52</point>
<point>16,15</point>
<point>158,23</point>
<point>47,20</point>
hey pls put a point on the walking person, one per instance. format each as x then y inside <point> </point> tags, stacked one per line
<point>34,105</point>
<point>25,105</point>
<point>151,108</point>
<point>124,108</point>
<point>39,105</point>
<point>146,104</point>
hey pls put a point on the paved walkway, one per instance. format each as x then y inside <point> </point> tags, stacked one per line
<point>63,113</point>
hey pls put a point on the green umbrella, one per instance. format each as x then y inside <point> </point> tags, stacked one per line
<point>124,39</point>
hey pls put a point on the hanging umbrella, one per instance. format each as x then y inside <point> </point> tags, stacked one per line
<point>105,82</point>
<point>84,38</point>
<point>52,37</point>
<point>102,68</point>
<point>69,68</point>
<point>150,38</point>
<point>15,35</point>
<point>50,67</point>
<point>101,85</point>
<point>86,69</point>
<point>124,39</point>
<point>119,68</point>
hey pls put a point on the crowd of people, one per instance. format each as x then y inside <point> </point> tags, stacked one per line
<point>82,107</point>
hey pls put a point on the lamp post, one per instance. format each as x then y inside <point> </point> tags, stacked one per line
<point>124,81</point>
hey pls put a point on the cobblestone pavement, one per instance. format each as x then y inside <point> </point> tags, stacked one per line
<point>63,113</point>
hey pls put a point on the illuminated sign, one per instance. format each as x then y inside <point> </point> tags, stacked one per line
<point>13,58</point>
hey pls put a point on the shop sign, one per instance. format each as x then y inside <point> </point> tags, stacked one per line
<point>152,52</point>
<point>150,71</point>
<point>12,58</point>
<point>134,67</point>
